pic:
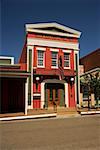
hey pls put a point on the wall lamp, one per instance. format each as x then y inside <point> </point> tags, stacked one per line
<point>37,80</point>
<point>72,81</point>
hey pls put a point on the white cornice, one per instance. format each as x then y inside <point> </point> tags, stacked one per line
<point>55,44</point>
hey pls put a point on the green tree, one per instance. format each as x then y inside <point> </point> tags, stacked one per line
<point>93,83</point>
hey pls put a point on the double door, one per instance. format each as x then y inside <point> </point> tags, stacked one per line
<point>54,95</point>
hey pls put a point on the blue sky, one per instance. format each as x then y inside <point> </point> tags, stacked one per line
<point>83,15</point>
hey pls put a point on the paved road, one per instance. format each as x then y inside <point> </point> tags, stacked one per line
<point>81,133</point>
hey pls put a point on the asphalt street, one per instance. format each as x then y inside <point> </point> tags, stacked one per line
<point>77,133</point>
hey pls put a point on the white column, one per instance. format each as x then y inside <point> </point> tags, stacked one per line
<point>66,95</point>
<point>42,94</point>
<point>78,79</point>
<point>32,49</point>
<point>32,78</point>
<point>26,96</point>
<point>75,91</point>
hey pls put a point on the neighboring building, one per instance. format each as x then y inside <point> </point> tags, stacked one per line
<point>81,69</point>
<point>90,67</point>
<point>13,86</point>
<point>51,55</point>
<point>91,61</point>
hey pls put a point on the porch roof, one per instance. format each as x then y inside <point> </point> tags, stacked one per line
<point>14,74</point>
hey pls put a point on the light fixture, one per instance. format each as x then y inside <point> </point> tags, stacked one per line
<point>71,79</point>
<point>37,78</point>
<point>37,82</point>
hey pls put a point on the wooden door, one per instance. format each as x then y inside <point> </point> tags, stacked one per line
<point>53,97</point>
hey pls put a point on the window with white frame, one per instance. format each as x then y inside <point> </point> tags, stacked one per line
<point>66,60</point>
<point>40,58</point>
<point>54,59</point>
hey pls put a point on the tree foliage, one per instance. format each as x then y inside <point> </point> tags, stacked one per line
<point>93,83</point>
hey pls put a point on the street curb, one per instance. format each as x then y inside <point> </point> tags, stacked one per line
<point>28,117</point>
<point>90,112</point>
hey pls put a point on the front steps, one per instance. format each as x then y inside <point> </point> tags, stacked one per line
<point>58,110</point>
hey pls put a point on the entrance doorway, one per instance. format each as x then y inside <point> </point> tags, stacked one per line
<point>54,95</point>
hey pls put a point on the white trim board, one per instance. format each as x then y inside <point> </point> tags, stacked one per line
<point>41,48</point>
<point>54,50</point>
<point>7,57</point>
<point>49,43</point>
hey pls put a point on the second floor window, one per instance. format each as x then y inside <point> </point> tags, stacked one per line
<point>40,58</point>
<point>66,60</point>
<point>54,59</point>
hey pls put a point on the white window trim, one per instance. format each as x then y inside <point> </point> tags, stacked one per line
<point>41,48</point>
<point>54,50</point>
<point>67,52</point>
<point>54,67</point>
<point>43,59</point>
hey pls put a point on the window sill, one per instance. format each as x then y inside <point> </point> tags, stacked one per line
<point>40,67</point>
<point>54,67</point>
<point>67,68</point>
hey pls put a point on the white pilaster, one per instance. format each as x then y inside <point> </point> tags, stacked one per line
<point>42,94</point>
<point>26,96</point>
<point>77,90</point>
<point>30,48</point>
<point>75,85</point>
<point>66,95</point>
<point>78,79</point>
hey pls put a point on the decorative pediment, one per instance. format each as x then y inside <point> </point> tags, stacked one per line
<point>53,29</point>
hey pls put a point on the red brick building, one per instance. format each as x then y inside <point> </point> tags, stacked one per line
<point>51,55</point>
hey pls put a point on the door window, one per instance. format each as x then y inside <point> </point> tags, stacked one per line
<point>51,94</point>
<point>56,94</point>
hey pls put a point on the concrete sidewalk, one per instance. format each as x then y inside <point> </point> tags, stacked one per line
<point>39,113</point>
<point>43,113</point>
<point>28,117</point>
<point>87,111</point>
